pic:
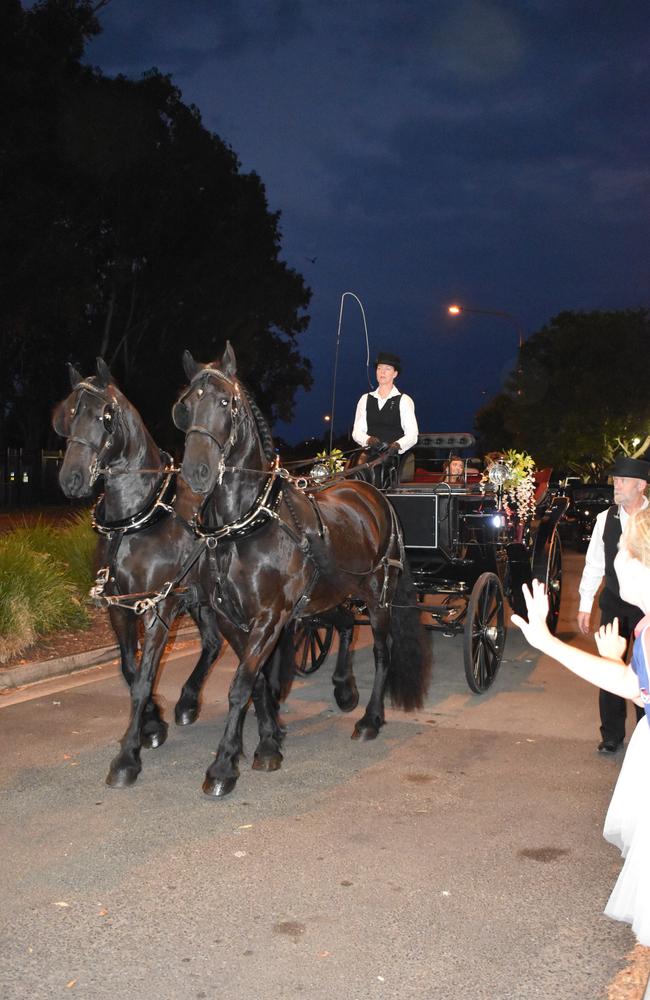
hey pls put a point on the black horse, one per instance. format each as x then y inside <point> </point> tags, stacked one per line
<point>149,557</point>
<point>280,553</point>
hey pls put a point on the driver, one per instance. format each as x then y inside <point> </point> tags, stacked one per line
<point>385,419</point>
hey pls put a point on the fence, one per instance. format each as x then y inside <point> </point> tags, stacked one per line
<point>28,478</point>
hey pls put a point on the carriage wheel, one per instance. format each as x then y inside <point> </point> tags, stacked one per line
<point>485,632</point>
<point>551,573</point>
<point>311,642</point>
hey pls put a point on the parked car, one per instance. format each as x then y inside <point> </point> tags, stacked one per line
<point>586,501</point>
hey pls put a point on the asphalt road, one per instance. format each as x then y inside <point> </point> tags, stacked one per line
<point>457,856</point>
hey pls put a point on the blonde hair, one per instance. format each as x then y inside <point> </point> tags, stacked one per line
<point>636,537</point>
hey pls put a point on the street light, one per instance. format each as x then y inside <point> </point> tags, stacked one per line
<point>456,310</point>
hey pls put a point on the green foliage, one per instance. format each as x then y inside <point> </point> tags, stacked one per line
<point>130,233</point>
<point>579,395</point>
<point>71,545</point>
<point>334,459</point>
<point>37,594</point>
<point>520,467</point>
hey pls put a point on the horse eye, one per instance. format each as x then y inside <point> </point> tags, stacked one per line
<point>107,420</point>
<point>223,401</point>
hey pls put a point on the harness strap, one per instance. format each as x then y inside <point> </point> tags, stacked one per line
<point>160,504</point>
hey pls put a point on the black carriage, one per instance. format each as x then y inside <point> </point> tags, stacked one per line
<point>468,550</point>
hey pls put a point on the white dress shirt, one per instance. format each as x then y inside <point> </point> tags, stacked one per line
<point>406,415</point>
<point>594,570</point>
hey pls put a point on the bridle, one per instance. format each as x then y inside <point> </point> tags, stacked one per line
<point>236,414</point>
<point>109,419</point>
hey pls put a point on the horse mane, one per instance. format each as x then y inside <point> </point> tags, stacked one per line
<point>263,428</point>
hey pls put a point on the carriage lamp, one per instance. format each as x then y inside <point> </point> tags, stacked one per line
<point>319,472</point>
<point>498,473</point>
<point>499,521</point>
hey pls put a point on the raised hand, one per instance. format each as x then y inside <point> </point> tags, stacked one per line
<point>610,644</point>
<point>535,629</point>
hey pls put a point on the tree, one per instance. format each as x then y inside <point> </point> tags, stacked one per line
<point>578,396</point>
<point>133,234</point>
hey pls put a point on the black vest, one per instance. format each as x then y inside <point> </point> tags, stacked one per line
<point>610,598</point>
<point>385,424</point>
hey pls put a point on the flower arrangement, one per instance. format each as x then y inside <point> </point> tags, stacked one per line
<point>519,487</point>
<point>333,460</point>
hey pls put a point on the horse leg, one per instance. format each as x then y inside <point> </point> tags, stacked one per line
<point>221,776</point>
<point>187,707</point>
<point>125,626</point>
<point>268,756</point>
<point>372,720</point>
<point>126,766</point>
<point>345,685</point>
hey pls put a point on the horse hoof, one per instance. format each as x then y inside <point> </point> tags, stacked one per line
<point>346,698</point>
<point>122,777</point>
<point>186,716</point>
<point>271,763</point>
<point>217,788</point>
<point>364,733</point>
<point>155,737</point>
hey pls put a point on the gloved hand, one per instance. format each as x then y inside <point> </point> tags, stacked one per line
<point>373,442</point>
<point>393,448</point>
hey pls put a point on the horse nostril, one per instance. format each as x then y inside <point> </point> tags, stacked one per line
<point>203,472</point>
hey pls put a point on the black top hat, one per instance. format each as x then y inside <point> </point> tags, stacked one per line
<point>386,358</point>
<point>630,468</point>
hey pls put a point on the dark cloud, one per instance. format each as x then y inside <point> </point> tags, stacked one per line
<point>494,152</point>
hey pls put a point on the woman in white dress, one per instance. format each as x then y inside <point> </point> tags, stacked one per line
<point>627,824</point>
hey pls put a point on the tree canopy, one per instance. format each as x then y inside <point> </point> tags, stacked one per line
<point>128,231</point>
<point>579,394</point>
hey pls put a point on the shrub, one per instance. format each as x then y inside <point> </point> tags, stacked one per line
<point>45,573</point>
<point>71,544</point>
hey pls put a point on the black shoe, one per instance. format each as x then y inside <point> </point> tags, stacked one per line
<point>610,746</point>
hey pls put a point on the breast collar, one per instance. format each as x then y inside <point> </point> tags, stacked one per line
<point>158,507</point>
<point>263,509</point>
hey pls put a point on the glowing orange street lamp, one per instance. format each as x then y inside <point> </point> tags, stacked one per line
<point>456,310</point>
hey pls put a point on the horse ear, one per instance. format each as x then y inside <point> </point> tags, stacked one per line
<point>103,373</point>
<point>229,361</point>
<point>75,376</point>
<point>181,415</point>
<point>61,419</point>
<point>190,366</point>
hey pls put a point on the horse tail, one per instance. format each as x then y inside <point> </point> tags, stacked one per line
<point>410,653</point>
<point>280,669</point>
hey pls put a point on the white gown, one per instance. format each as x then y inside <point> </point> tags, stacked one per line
<point>627,825</point>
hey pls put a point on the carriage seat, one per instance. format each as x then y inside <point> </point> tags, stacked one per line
<point>542,479</point>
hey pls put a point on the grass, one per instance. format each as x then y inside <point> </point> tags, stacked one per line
<point>45,573</point>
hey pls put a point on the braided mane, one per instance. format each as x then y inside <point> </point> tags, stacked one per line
<point>263,428</point>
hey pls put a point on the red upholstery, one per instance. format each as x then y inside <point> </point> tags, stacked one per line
<point>542,479</point>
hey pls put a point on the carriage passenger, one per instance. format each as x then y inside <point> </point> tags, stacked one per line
<point>455,470</point>
<point>385,419</point>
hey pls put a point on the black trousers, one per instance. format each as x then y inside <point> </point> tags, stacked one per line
<point>613,709</point>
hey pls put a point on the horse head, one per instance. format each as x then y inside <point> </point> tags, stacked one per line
<point>210,413</point>
<point>93,418</point>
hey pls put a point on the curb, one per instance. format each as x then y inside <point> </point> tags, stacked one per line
<point>31,673</point>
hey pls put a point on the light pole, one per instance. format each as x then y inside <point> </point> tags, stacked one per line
<point>456,310</point>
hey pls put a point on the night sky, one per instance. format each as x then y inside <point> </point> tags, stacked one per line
<point>489,153</point>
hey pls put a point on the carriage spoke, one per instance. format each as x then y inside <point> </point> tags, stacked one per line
<point>485,632</point>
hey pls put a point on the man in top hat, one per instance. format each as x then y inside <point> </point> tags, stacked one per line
<point>385,419</point>
<point>630,477</point>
